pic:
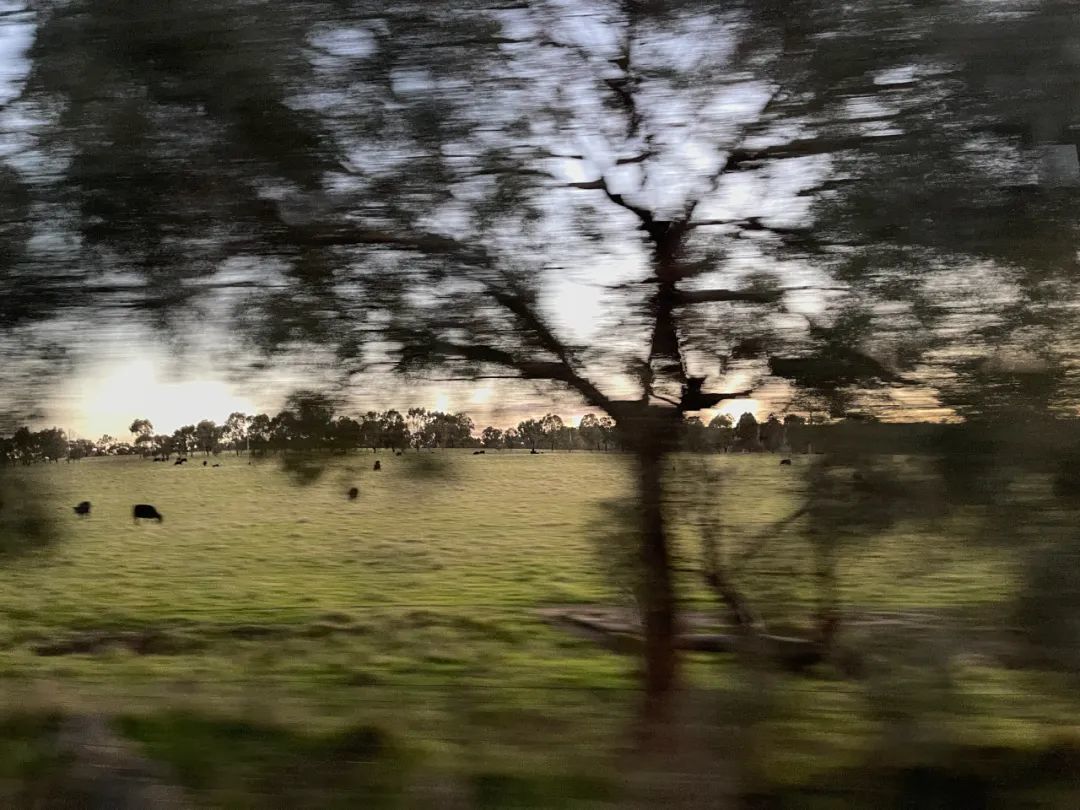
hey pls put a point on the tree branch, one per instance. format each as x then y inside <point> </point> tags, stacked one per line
<point>644,215</point>
<point>691,297</point>
<point>528,369</point>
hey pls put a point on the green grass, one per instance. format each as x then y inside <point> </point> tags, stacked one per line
<point>279,617</point>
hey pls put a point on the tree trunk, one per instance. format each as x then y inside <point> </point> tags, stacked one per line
<point>658,592</point>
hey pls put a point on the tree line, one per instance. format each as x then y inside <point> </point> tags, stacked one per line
<point>311,422</point>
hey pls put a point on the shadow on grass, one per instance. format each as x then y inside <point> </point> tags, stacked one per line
<point>243,764</point>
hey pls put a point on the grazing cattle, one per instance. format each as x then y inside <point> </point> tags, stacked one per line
<point>82,509</point>
<point>216,465</point>
<point>378,466</point>
<point>478,452</point>
<point>354,493</point>
<point>178,462</point>
<point>785,462</point>
<point>146,512</point>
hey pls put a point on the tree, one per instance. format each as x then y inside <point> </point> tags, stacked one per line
<point>207,435</point>
<point>551,428</point>
<point>493,142</point>
<point>143,431</point>
<point>531,433</point>
<point>695,435</point>
<point>306,422</point>
<point>418,422</point>
<point>371,431</point>
<point>589,428</point>
<point>394,431</point>
<point>52,444</point>
<point>747,434</point>
<point>512,439</point>
<point>772,433</point>
<point>721,433</point>
<point>184,440</point>
<point>346,434</point>
<point>492,438</point>
<point>259,432</point>
<point>80,449</point>
<point>235,430</point>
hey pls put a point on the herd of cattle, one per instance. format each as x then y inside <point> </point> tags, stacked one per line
<point>145,511</point>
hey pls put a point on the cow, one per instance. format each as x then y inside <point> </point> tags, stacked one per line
<point>354,493</point>
<point>146,512</point>
<point>785,462</point>
<point>216,465</point>
<point>83,509</point>
<point>378,466</point>
<point>204,463</point>
<point>478,452</point>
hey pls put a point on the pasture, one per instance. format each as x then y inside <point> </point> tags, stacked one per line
<point>265,627</point>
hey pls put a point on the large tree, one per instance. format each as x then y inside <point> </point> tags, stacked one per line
<point>421,178</point>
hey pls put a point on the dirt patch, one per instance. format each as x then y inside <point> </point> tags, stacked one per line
<point>618,629</point>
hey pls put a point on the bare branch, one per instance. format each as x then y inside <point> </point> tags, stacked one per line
<point>636,159</point>
<point>691,297</point>
<point>528,369</point>
<point>644,215</point>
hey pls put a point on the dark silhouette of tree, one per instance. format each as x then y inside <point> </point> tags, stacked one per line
<point>143,431</point>
<point>345,434</point>
<point>207,435</point>
<point>551,428</point>
<point>747,434</point>
<point>394,431</point>
<point>184,440</point>
<point>492,438</point>
<point>773,434</point>
<point>531,433</point>
<point>234,431</point>
<point>259,433</point>
<point>51,444</point>
<point>371,431</point>
<point>721,432</point>
<point>419,424</point>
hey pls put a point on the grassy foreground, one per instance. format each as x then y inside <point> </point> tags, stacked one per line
<point>270,639</point>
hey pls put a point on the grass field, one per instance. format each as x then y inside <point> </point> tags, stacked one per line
<point>264,628</point>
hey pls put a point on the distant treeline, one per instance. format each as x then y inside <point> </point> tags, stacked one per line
<point>310,422</point>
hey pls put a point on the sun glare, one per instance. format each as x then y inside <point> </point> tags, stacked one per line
<point>133,390</point>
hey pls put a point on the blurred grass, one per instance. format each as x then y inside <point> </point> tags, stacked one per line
<point>285,616</point>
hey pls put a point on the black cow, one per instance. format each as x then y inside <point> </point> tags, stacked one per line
<point>478,452</point>
<point>178,462</point>
<point>378,466</point>
<point>217,465</point>
<point>146,512</point>
<point>204,463</point>
<point>82,509</point>
<point>354,493</point>
<point>785,462</point>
